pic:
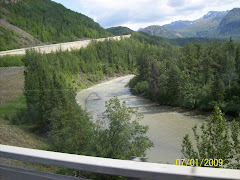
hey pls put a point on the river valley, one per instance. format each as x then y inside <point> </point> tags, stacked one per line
<point>166,126</point>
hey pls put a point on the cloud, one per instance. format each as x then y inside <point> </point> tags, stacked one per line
<point>112,12</point>
<point>140,13</point>
<point>176,3</point>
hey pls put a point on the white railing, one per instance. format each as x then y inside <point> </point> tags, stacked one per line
<point>117,167</point>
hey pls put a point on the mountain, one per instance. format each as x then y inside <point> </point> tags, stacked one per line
<point>161,31</point>
<point>119,30</point>
<point>214,24</point>
<point>178,25</point>
<point>230,24</point>
<point>205,26</point>
<point>214,14</point>
<point>45,21</point>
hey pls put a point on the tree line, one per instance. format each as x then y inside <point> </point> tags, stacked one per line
<point>52,109</point>
<point>10,61</point>
<point>48,77</point>
<point>195,76</point>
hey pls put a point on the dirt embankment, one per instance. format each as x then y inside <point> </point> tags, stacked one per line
<point>23,38</point>
<point>11,87</point>
<point>26,36</point>
<point>12,82</point>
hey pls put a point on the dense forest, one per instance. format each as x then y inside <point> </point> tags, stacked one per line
<point>152,39</point>
<point>50,90</point>
<point>46,71</point>
<point>194,76</point>
<point>49,22</point>
<point>193,73</point>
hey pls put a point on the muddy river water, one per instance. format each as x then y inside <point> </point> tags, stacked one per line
<point>166,126</point>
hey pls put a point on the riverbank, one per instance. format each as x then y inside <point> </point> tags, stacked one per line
<point>188,112</point>
<point>82,81</point>
<point>195,113</point>
<point>167,125</point>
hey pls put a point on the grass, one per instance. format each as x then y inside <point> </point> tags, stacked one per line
<point>10,109</point>
<point>20,136</point>
<point>9,61</point>
<point>12,101</point>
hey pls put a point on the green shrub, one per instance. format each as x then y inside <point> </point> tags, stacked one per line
<point>141,87</point>
<point>216,141</point>
<point>8,61</point>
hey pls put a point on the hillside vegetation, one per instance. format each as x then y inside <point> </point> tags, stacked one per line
<point>158,40</point>
<point>193,76</point>
<point>230,23</point>
<point>120,30</point>
<point>161,31</point>
<point>47,21</point>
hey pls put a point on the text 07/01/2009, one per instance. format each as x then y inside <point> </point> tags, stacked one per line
<point>200,162</point>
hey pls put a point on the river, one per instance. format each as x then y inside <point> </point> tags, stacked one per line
<point>166,125</point>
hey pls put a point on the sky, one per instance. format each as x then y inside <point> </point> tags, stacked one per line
<point>137,14</point>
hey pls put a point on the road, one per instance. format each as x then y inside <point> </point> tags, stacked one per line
<point>56,47</point>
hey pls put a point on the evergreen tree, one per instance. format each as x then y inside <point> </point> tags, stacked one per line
<point>118,133</point>
<point>214,142</point>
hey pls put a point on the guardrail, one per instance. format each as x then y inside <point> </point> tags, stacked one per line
<point>117,167</point>
<point>55,47</point>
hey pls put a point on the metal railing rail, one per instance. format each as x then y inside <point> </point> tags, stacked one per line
<point>125,168</point>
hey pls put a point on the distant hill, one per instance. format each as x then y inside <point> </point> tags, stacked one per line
<point>152,39</point>
<point>205,26</point>
<point>46,21</point>
<point>230,24</point>
<point>161,31</point>
<point>119,30</point>
<point>215,24</point>
<point>178,25</point>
